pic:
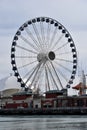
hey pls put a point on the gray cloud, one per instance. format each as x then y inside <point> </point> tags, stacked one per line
<point>13,13</point>
<point>69,12</point>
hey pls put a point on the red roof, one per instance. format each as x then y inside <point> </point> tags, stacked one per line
<point>79,86</point>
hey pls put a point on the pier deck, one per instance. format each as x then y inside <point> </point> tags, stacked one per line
<point>45,111</point>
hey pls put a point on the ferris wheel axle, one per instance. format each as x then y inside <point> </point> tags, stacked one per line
<point>45,57</point>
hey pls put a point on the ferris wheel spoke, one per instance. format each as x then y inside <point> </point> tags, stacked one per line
<point>44,45</point>
<point>28,73</point>
<point>61,46</point>
<point>52,77</point>
<point>69,61</point>
<point>58,40</point>
<point>48,34</point>
<point>29,43</point>
<point>56,75</point>
<point>42,32</point>
<point>34,71</point>
<point>48,82</point>
<point>27,64</point>
<point>53,37</point>
<point>47,79</point>
<point>64,53</point>
<point>23,48</point>
<point>25,57</point>
<point>62,66</point>
<point>37,35</point>
<point>36,75</point>
<point>64,76</point>
<point>32,37</point>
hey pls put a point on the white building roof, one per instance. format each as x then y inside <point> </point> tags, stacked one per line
<point>9,83</point>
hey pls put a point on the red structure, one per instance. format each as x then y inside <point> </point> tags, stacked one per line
<point>80,87</point>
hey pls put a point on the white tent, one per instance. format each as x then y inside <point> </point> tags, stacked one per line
<point>9,86</point>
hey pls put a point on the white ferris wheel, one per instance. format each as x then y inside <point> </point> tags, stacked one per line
<point>43,54</point>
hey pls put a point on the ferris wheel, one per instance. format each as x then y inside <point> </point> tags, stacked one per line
<point>43,54</point>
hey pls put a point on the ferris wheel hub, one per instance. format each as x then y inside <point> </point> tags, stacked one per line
<point>41,57</point>
<point>45,57</point>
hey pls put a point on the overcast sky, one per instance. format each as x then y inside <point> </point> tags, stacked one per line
<point>71,13</point>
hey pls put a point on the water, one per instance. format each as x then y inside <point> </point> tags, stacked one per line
<point>43,122</point>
